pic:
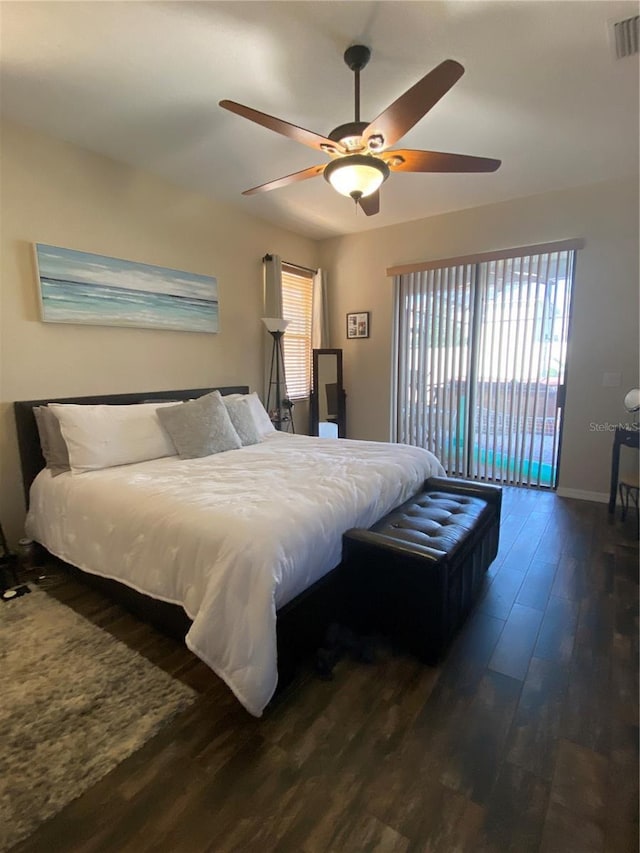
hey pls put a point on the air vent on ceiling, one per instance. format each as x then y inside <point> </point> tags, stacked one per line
<point>625,36</point>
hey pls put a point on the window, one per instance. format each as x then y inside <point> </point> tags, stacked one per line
<point>297,294</point>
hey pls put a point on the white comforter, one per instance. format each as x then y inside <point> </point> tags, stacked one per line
<point>230,537</point>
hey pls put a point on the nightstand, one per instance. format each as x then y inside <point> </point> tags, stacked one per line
<point>629,438</point>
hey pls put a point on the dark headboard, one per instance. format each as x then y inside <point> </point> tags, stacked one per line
<point>31,459</point>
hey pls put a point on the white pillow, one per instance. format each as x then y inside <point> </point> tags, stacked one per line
<point>260,416</point>
<point>261,420</point>
<point>104,436</point>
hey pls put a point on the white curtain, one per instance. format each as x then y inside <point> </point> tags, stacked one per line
<point>272,307</point>
<point>320,314</point>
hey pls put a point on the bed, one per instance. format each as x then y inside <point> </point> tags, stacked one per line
<point>244,545</point>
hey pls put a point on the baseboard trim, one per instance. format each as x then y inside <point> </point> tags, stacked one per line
<point>582,495</point>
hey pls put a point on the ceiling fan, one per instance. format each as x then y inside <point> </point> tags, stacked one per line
<point>360,159</point>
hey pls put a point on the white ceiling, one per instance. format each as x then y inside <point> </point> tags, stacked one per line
<point>140,82</point>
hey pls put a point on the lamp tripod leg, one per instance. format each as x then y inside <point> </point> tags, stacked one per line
<point>270,386</point>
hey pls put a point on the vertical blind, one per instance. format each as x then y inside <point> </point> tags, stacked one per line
<point>433,361</point>
<point>522,331</point>
<point>480,350</point>
<point>297,297</point>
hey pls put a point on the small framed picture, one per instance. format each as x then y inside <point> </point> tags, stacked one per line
<point>358,325</point>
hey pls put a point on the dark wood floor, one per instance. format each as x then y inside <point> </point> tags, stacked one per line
<point>524,740</point>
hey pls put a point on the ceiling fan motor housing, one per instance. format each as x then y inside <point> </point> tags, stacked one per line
<point>357,56</point>
<point>350,134</point>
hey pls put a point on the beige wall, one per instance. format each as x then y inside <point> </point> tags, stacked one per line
<point>604,334</point>
<point>55,193</point>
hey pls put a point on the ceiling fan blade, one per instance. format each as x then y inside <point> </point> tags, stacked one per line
<point>400,117</point>
<point>437,161</point>
<point>299,134</point>
<point>311,172</point>
<point>371,203</point>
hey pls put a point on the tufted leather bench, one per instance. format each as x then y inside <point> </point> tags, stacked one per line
<point>416,573</point>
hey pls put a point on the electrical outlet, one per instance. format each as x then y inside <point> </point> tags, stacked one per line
<point>611,380</point>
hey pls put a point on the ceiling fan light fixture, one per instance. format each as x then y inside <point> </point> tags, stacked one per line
<point>356,175</point>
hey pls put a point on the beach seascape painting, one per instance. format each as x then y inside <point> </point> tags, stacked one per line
<point>79,287</point>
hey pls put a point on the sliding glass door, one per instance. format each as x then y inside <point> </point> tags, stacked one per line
<point>480,352</point>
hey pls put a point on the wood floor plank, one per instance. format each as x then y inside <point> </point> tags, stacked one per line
<point>580,523</point>
<point>510,526</point>
<point>577,814</point>
<point>451,822</point>
<point>366,833</point>
<point>625,607</point>
<point>623,793</point>
<point>580,782</point>
<point>498,599</point>
<point>468,658</point>
<point>571,580</point>
<point>568,832</point>
<point>601,567</point>
<point>549,546</point>
<point>406,793</point>
<point>536,726</point>
<point>596,622</point>
<point>513,652</point>
<point>526,543</point>
<point>557,631</point>
<point>515,813</point>
<point>474,749</point>
<point>587,712</point>
<point>624,680</point>
<point>536,586</point>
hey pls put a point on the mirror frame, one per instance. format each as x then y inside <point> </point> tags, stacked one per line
<point>314,414</point>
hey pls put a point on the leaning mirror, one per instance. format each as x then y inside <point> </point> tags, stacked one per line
<point>328,400</point>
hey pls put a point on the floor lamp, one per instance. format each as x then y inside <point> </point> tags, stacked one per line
<point>276,328</point>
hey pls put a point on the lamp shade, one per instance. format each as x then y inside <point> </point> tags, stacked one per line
<point>632,400</point>
<point>356,175</point>
<point>275,324</point>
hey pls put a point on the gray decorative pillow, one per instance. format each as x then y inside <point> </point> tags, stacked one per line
<point>242,418</point>
<point>200,427</point>
<point>54,447</point>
